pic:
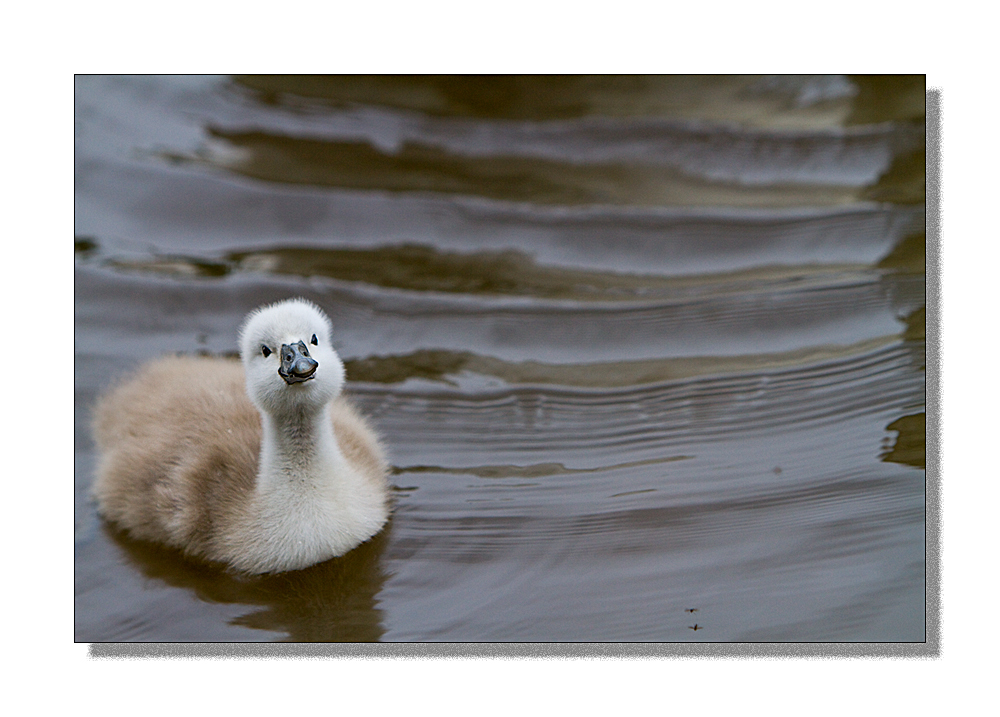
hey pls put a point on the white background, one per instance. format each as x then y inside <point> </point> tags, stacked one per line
<point>46,44</point>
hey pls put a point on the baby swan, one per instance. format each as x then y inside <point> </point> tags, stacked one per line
<point>264,467</point>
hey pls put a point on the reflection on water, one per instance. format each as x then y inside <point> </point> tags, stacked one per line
<point>637,346</point>
<point>772,101</point>
<point>908,256</point>
<point>904,182</point>
<point>510,272</point>
<point>910,446</point>
<point>421,168</point>
<point>331,602</point>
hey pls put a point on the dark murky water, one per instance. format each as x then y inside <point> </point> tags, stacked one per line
<point>637,345</point>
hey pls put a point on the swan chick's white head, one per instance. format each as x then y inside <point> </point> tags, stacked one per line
<point>288,357</point>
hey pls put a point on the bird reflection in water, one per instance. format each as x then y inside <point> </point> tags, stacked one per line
<point>330,602</point>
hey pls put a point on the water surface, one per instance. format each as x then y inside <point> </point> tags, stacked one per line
<point>647,353</point>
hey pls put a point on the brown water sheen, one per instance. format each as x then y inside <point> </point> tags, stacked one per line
<point>422,168</point>
<point>637,345</point>
<point>771,101</point>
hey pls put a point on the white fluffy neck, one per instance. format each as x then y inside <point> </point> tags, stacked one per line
<point>310,504</point>
<point>298,451</point>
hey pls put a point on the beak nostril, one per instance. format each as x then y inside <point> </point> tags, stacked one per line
<point>296,364</point>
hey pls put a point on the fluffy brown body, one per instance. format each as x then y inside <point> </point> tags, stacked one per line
<point>179,445</point>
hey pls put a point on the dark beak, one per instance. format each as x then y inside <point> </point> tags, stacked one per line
<point>296,364</point>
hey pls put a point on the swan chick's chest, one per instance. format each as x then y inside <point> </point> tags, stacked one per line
<point>307,509</point>
<point>304,525</point>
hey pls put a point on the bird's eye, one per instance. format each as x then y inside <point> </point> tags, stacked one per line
<point>315,341</point>
<point>265,350</point>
